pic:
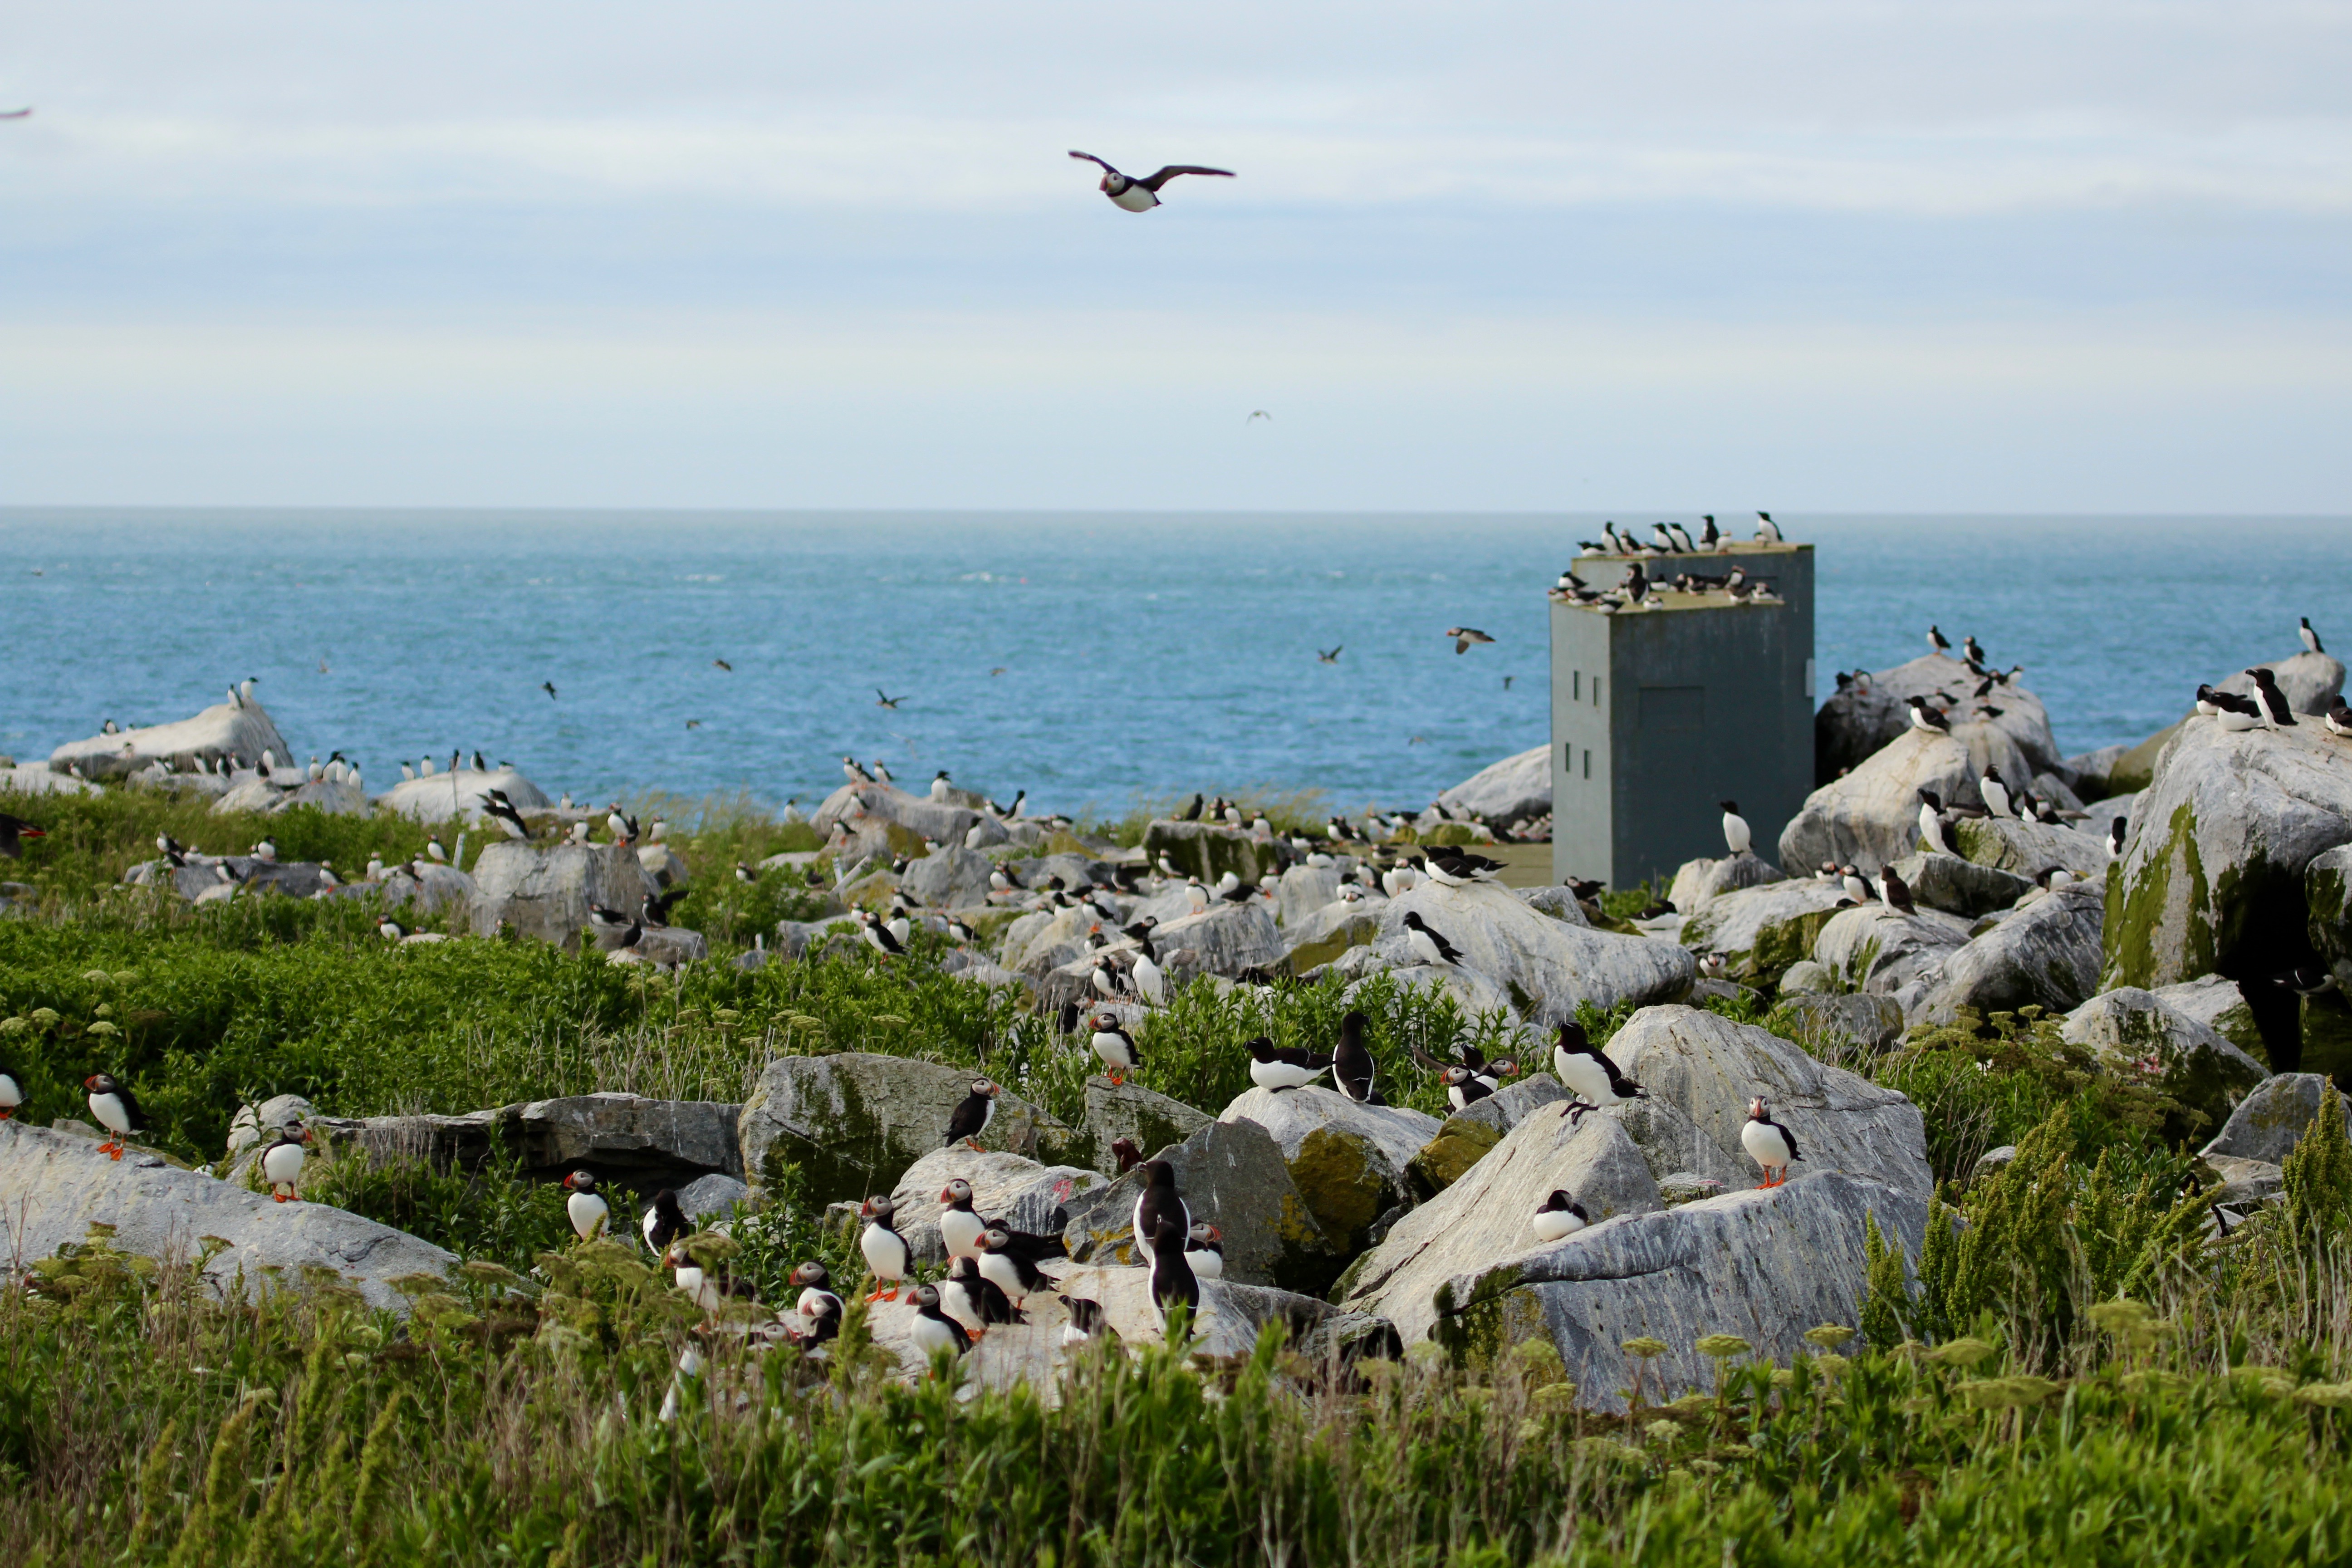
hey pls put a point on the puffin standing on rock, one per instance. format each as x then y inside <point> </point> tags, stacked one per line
<point>1114,1046</point>
<point>112,1102</point>
<point>933,1330</point>
<point>960,1223</point>
<point>281,1162</point>
<point>986,1302</point>
<point>885,1251</point>
<point>972,1116</point>
<point>1768,1143</point>
<point>1204,1251</point>
<point>1588,1074</point>
<point>11,1094</point>
<point>588,1212</point>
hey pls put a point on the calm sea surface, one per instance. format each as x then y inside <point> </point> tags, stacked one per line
<point>1096,659</point>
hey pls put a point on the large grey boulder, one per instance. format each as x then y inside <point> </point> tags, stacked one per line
<point>1854,725</point>
<point>2212,875</point>
<point>1559,903</point>
<point>1701,1071</point>
<point>624,1139</point>
<point>1347,1160</point>
<point>1871,815</point>
<point>855,1121</point>
<point>1231,1174</point>
<point>1873,948</point>
<point>461,794</point>
<point>1019,1192</point>
<point>1042,939</point>
<point>1958,886</point>
<point>1319,938</point>
<point>1765,928</point>
<point>1839,1029</point>
<point>1506,792</point>
<point>546,890</point>
<point>1226,938</point>
<point>2327,901</point>
<point>1144,1117</point>
<point>1208,850</point>
<point>1545,967</point>
<point>1423,1266</point>
<point>712,1194</point>
<point>665,865</point>
<point>1697,881</point>
<point>29,779</point>
<point>215,735</point>
<point>948,877</point>
<point>440,887</point>
<point>2308,680</point>
<point>2029,848</point>
<point>943,824</point>
<point>2216,1002</point>
<point>2273,1118</point>
<point>2047,955</point>
<point>2133,1028</point>
<point>1763,1265</point>
<point>54,1186</point>
<point>1302,890</point>
<point>258,796</point>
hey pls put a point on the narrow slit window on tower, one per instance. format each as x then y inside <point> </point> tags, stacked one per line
<point>1588,762</point>
<point>1576,686</point>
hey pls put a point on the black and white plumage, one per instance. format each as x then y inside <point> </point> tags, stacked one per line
<point>1895,891</point>
<point>2309,980</point>
<point>1995,790</point>
<point>877,935</point>
<point>1352,1070</point>
<point>1931,823</point>
<point>663,1222</point>
<point>14,831</point>
<point>1204,1250</point>
<point>1770,1144</point>
<point>819,1309</point>
<point>2052,878</point>
<point>1429,946</point>
<point>885,1250</point>
<point>1767,530</point>
<point>1109,981</point>
<point>1173,1283</point>
<point>1278,1067</point>
<point>1130,195</point>
<point>2277,712</point>
<point>281,1162</point>
<point>11,1094</point>
<point>1160,1204</point>
<point>654,913</point>
<point>2116,828</point>
<point>1464,1088</point>
<point>1013,1267</point>
<point>1085,1321</point>
<point>1561,1216</point>
<point>116,1110</point>
<point>1150,982</point>
<point>1937,642</point>
<point>933,1330</point>
<point>1114,1046</point>
<point>1466,637</point>
<point>1735,834</point>
<point>2310,638</point>
<point>1589,1075</point>
<point>960,1223</point>
<point>1459,867</point>
<point>1926,718</point>
<point>984,1301</point>
<point>586,1207</point>
<point>502,811</point>
<point>2338,719</point>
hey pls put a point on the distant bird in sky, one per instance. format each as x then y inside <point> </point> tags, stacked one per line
<point>1257,413</point>
<point>1329,656</point>
<point>547,687</point>
<point>694,723</point>
<point>998,670</point>
<point>1507,681</point>
<point>884,699</point>
<point>16,114</point>
<point>1463,637</point>
<point>722,664</point>
<point>1135,196</point>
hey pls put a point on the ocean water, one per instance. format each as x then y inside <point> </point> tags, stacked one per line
<point>1098,660</point>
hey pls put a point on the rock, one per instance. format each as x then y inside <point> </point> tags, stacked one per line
<point>2327,901</point>
<point>672,946</point>
<point>1231,1174</point>
<point>2029,848</point>
<point>1302,890</point>
<point>2047,954</point>
<point>1702,880</point>
<point>1149,1120</point>
<point>1764,929</point>
<point>1346,1160</point>
<point>1321,937</point>
<point>294,878</point>
<point>2135,769</point>
<point>1705,1069</point>
<point>855,1121</point>
<point>1873,948</point>
<point>1871,815</point>
<point>245,1127</point>
<point>1546,967</point>
<point>2212,880</point>
<point>2217,1003</point>
<point>1448,1157</point>
<point>634,1141</point>
<point>2090,770</point>
<point>944,824</point>
<point>2273,1118</point>
<point>714,1194</point>
<point>31,780</point>
<point>2245,1181</point>
<point>1853,726</point>
<point>948,877</point>
<point>1506,792</point>
<point>53,1186</point>
<point>1513,1103</point>
<point>220,732</point>
<point>1806,977</point>
<point>1763,1265</point>
<point>1837,1029</point>
<point>1679,1188</point>
<point>257,798</point>
<point>1479,1223</point>
<point>546,890</point>
<point>1557,902</point>
<point>1476,994</point>
<point>2309,681</point>
<point>2196,1065</point>
<point>1991,1161</point>
<point>465,793</point>
<point>664,866</point>
<point>1208,851</point>
<point>795,939</point>
<point>1021,1193</point>
<point>1043,939</point>
<point>1958,886</point>
<point>1228,940</point>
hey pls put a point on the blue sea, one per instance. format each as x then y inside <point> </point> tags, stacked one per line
<point>1098,660</point>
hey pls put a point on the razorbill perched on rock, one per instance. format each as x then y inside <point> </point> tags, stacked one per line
<point>1173,1283</point>
<point>1588,1074</point>
<point>2310,638</point>
<point>2052,878</point>
<point>663,1223</point>
<point>1466,637</point>
<point>1161,1204</point>
<point>972,1115</point>
<point>2115,829</point>
<point>1114,1046</point>
<point>2274,709</point>
<point>1560,1218</point>
<point>885,1251</point>
<point>1131,194</point>
<point>1995,791</point>
<point>1768,1143</point>
<point>2338,717</point>
<point>1279,1068</point>
<point>1931,823</point>
<point>1895,891</point>
<point>1734,828</point>
<point>1428,946</point>
<point>281,1162</point>
<point>1767,530</point>
<point>587,1210</point>
<point>1926,718</point>
<point>1085,1321</point>
<point>117,1111</point>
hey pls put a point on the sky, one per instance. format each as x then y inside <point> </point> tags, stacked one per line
<point>2048,257</point>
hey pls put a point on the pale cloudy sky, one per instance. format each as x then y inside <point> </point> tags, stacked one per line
<point>1827,255</point>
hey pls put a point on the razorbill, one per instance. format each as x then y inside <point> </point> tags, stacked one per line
<point>1173,1283</point>
<point>2338,718</point>
<point>1926,718</point>
<point>1768,1143</point>
<point>1734,828</point>
<point>1588,1074</point>
<point>663,1222</point>
<point>1131,194</point>
<point>1767,530</point>
<point>2310,638</point>
<point>1995,791</point>
<point>1895,891</point>
<point>2309,980</point>
<point>1429,946</point>
<point>1560,1218</point>
<point>2274,709</point>
<point>1931,823</point>
<point>1160,1204</point>
<point>2116,836</point>
<point>986,1304</point>
<point>1280,1067</point>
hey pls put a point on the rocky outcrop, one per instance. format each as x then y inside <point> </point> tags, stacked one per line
<point>2308,680</point>
<point>1871,815</point>
<point>855,1121</point>
<point>948,877</point>
<point>545,891</point>
<point>1702,1070</point>
<point>1841,1029</point>
<point>31,780</point>
<point>1874,948</point>
<point>1208,851</point>
<point>2216,1003</point>
<point>2029,848</point>
<point>1229,939</point>
<point>218,734</point>
<point>1322,937</point>
<point>2273,1118</point>
<point>2133,1029</point>
<point>54,1185</point>
<point>1347,1160</point>
<point>464,794</point>
<point>663,866</point>
<point>1958,886</point>
<point>2047,955</point>
<point>1149,1120</point>
<point>1231,1174</point>
<point>1543,967</point>
<point>1764,1266</point>
<point>1697,881</point>
<point>1764,929</point>
<point>1481,1223</point>
<point>1506,792</point>
<point>943,824</point>
<point>1018,1192</point>
<point>1302,890</point>
<point>1855,725</point>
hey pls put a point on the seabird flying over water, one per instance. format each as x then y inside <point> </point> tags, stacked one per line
<point>1256,414</point>
<point>547,687</point>
<point>1131,194</point>
<point>1463,637</point>
<point>1329,656</point>
<point>884,699</point>
<point>722,664</point>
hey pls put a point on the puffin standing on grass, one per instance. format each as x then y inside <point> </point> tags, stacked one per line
<point>1768,1143</point>
<point>1590,1077</point>
<point>972,1116</point>
<point>112,1102</point>
<point>1560,1218</point>
<point>885,1251</point>
<point>588,1212</point>
<point>281,1162</point>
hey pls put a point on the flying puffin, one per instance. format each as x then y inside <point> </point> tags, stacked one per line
<point>960,1223</point>
<point>1560,1218</point>
<point>933,1330</point>
<point>588,1212</point>
<point>1160,1204</point>
<point>985,1303</point>
<point>1173,1283</point>
<point>885,1251</point>
<point>1131,194</point>
<point>1429,946</point>
<point>972,1115</point>
<point>112,1102</point>
<point>1588,1074</point>
<point>281,1162</point>
<point>1771,1145</point>
<point>1351,1064</point>
<point>1114,1046</point>
<point>663,1223</point>
<point>1283,1068</point>
<point>1466,637</point>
